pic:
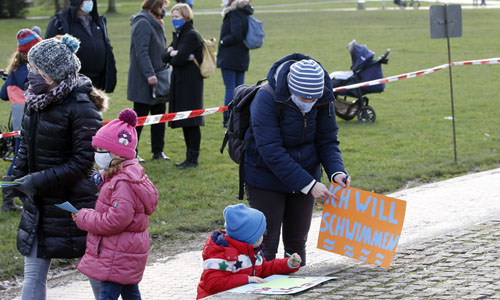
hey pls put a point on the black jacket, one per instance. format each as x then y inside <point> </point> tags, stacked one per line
<point>56,149</point>
<point>95,52</point>
<point>186,85</point>
<point>232,53</point>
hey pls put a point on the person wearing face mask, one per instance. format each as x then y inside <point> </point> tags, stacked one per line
<point>82,21</point>
<point>55,158</point>
<point>147,43</point>
<point>233,58</point>
<point>186,90</point>
<point>293,133</point>
<point>13,90</point>
<point>118,238</point>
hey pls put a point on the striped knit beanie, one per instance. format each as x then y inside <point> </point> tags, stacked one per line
<point>306,79</point>
<point>26,39</point>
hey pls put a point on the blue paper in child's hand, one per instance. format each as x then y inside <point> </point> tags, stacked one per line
<point>67,206</point>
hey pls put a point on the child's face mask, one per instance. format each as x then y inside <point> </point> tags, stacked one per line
<point>103,159</point>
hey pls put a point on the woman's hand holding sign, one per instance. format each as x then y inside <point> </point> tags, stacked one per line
<point>320,191</point>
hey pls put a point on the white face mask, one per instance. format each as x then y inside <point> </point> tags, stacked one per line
<point>225,2</point>
<point>103,159</point>
<point>305,107</point>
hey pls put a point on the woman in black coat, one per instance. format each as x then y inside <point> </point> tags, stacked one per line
<point>186,90</point>
<point>55,158</point>
<point>233,57</point>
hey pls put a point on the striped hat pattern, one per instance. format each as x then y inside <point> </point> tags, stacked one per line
<point>26,39</point>
<point>306,79</point>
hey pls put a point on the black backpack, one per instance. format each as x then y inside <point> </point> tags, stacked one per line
<point>239,123</point>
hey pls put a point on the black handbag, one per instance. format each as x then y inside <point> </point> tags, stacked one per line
<point>162,89</point>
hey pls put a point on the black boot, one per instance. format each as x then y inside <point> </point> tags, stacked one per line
<point>8,197</point>
<point>191,160</point>
<point>178,165</point>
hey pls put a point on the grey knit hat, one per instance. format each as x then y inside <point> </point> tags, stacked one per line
<point>56,58</point>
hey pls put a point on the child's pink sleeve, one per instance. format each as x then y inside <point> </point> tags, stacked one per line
<point>113,221</point>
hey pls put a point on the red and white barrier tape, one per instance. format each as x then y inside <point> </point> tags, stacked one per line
<point>417,73</point>
<point>155,119</point>
<point>9,134</point>
<point>175,116</point>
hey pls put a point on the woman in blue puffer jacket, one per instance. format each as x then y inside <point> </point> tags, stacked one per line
<point>293,132</point>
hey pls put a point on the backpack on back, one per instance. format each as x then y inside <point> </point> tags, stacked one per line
<point>239,123</point>
<point>255,34</point>
<point>209,53</point>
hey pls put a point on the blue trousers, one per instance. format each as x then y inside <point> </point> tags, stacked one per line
<point>112,290</point>
<point>35,275</point>
<point>17,142</point>
<point>231,80</point>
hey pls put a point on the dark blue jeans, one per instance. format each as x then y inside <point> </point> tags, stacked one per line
<point>231,80</point>
<point>17,142</point>
<point>112,290</point>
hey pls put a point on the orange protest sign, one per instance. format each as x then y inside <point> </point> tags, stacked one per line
<point>361,225</point>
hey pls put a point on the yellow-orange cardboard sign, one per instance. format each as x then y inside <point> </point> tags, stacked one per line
<point>361,225</point>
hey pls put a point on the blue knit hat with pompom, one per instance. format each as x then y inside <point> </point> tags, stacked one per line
<point>56,58</point>
<point>244,224</point>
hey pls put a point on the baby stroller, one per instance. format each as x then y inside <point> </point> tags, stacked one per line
<point>363,69</point>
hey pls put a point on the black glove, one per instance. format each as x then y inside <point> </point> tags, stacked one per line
<point>26,186</point>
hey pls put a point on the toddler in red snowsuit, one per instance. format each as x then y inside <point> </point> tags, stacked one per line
<point>233,257</point>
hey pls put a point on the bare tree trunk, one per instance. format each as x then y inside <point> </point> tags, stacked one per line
<point>111,7</point>
<point>57,5</point>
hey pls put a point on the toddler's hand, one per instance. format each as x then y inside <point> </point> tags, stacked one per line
<point>255,279</point>
<point>73,215</point>
<point>295,260</point>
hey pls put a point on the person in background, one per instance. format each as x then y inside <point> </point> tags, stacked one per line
<point>188,2</point>
<point>293,133</point>
<point>147,43</point>
<point>233,257</point>
<point>13,90</point>
<point>186,91</point>
<point>37,30</point>
<point>82,21</point>
<point>233,58</point>
<point>118,239</point>
<point>55,159</point>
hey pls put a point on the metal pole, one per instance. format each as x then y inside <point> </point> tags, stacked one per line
<point>451,84</point>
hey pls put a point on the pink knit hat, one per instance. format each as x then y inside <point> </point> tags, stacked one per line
<point>119,136</point>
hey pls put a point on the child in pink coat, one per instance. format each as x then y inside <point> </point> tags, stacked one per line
<point>118,239</point>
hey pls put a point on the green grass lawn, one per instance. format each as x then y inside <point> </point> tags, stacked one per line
<point>411,141</point>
